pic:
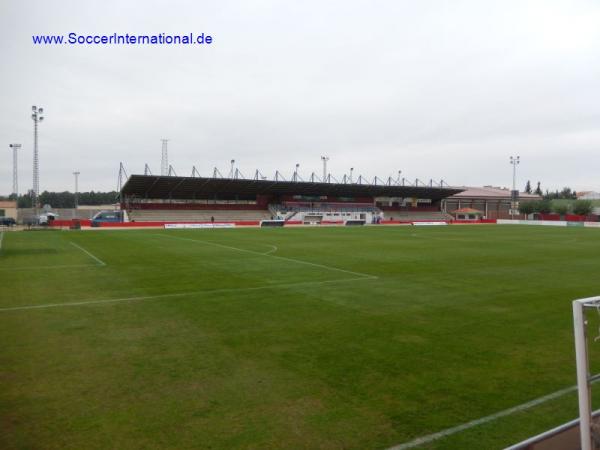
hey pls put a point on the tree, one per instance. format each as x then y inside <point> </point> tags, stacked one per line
<point>67,199</point>
<point>528,187</point>
<point>24,200</point>
<point>543,206</point>
<point>582,207</point>
<point>566,193</point>
<point>527,207</point>
<point>560,208</point>
<point>538,190</point>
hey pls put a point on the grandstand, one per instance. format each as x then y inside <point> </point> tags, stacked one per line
<point>190,215</point>
<point>149,198</point>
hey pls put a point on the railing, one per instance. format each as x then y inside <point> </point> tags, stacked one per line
<point>563,437</point>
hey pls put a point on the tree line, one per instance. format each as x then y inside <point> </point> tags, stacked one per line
<point>545,206</point>
<point>565,193</point>
<point>65,199</point>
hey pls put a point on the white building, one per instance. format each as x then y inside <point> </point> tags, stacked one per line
<point>590,195</point>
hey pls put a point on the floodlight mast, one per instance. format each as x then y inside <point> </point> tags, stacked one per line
<point>514,160</point>
<point>324,159</point>
<point>76,188</point>
<point>15,188</point>
<point>36,116</point>
<point>164,161</point>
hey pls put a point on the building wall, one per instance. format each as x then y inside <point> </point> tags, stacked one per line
<point>590,196</point>
<point>493,209</point>
<point>63,213</point>
<point>9,212</point>
<point>10,209</point>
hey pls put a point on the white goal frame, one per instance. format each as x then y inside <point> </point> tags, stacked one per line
<point>583,371</point>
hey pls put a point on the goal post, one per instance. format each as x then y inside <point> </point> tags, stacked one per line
<point>583,370</point>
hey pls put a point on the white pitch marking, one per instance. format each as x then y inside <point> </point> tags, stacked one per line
<point>98,260</point>
<point>1,237</point>
<point>465,426</point>
<point>299,261</point>
<point>273,249</point>
<point>182,294</point>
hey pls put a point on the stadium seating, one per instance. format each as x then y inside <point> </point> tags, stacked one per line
<point>410,216</point>
<point>323,207</point>
<point>158,215</point>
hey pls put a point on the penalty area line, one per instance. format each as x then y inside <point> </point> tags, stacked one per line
<point>482,420</point>
<point>181,294</point>
<point>95,258</point>
<point>283,258</point>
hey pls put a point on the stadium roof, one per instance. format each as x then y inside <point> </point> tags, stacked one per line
<point>172,187</point>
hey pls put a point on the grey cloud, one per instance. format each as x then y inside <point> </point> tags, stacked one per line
<point>437,89</point>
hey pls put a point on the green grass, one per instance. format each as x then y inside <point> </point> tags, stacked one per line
<point>267,351</point>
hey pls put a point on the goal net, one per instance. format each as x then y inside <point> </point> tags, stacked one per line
<point>586,323</point>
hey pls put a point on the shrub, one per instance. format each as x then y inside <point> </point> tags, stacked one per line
<point>527,207</point>
<point>582,207</point>
<point>545,206</point>
<point>561,208</point>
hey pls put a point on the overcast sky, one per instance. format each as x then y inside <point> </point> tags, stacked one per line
<point>438,89</point>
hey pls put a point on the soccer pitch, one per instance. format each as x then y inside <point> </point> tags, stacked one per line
<point>356,338</point>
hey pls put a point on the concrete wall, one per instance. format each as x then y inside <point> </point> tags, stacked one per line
<point>63,213</point>
<point>9,212</point>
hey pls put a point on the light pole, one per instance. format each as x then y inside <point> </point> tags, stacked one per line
<point>351,170</point>
<point>514,194</point>
<point>324,159</point>
<point>296,172</point>
<point>164,160</point>
<point>231,172</point>
<point>15,189</point>
<point>76,188</point>
<point>36,116</point>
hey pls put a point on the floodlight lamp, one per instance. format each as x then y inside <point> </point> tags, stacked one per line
<point>41,118</point>
<point>33,108</point>
<point>41,110</point>
<point>33,116</point>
